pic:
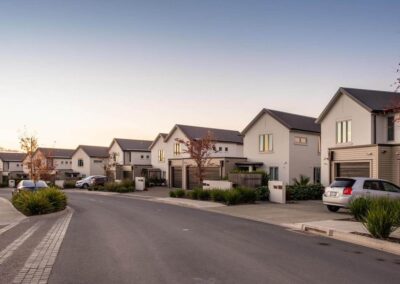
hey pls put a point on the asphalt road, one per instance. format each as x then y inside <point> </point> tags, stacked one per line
<point>125,240</point>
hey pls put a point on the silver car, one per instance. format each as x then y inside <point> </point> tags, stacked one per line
<point>29,185</point>
<point>343,190</point>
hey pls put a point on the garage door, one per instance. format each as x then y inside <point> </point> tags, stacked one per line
<point>212,173</point>
<point>176,177</point>
<point>359,169</point>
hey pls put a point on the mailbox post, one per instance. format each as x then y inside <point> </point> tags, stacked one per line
<point>277,191</point>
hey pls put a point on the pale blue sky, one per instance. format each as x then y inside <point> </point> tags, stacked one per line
<point>83,72</point>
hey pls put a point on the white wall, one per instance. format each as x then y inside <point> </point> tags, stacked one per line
<point>81,155</point>
<point>1,165</point>
<point>139,158</point>
<point>279,157</point>
<point>234,150</point>
<point>344,108</point>
<point>63,164</point>
<point>304,158</point>
<point>119,154</point>
<point>163,166</point>
<point>15,167</point>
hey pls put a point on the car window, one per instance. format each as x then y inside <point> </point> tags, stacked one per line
<point>343,182</point>
<point>28,183</point>
<point>41,184</point>
<point>372,185</point>
<point>390,187</point>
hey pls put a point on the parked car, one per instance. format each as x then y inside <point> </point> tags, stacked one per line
<point>90,181</point>
<point>343,190</point>
<point>29,185</point>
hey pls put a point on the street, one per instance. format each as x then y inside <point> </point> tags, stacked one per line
<point>118,239</point>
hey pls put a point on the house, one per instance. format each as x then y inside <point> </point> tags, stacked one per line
<point>180,170</point>
<point>283,144</point>
<point>360,135</point>
<point>90,160</point>
<point>11,166</point>
<point>58,162</point>
<point>128,157</point>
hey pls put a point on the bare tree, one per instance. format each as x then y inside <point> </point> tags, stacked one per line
<point>39,166</point>
<point>200,150</point>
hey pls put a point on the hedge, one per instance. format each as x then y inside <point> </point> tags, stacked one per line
<point>304,192</point>
<point>121,187</point>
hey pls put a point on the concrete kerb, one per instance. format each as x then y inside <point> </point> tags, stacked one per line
<point>9,216</point>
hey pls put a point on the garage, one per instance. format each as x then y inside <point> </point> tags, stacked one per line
<point>176,176</point>
<point>353,169</point>
<point>212,173</point>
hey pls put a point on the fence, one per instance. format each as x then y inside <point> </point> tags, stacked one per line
<point>252,180</point>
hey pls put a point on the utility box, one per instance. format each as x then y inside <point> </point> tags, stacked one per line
<point>11,183</point>
<point>140,183</point>
<point>277,191</point>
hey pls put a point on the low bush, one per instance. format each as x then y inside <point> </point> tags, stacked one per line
<point>172,194</point>
<point>262,193</point>
<point>359,208</point>
<point>232,197</point>
<point>120,187</point>
<point>304,192</point>
<point>217,195</point>
<point>382,217</point>
<point>40,202</point>
<point>204,195</point>
<point>247,195</point>
<point>180,193</point>
<point>69,184</point>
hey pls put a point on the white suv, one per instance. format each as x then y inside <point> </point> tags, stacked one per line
<point>343,190</point>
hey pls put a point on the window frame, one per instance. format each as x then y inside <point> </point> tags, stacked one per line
<point>390,129</point>
<point>263,145</point>
<point>343,131</point>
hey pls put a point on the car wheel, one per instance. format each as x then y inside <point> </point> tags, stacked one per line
<point>333,208</point>
<point>85,186</point>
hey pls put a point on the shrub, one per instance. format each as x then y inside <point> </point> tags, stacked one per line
<point>359,208</point>
<point>40,202</point>
<point>247,195</point>
<point>383,217</point>
<point>218,195</point>
<point>121,187</point>
<point>262,193</point>
<point>194,194</point>
<point>180,193</point>
<point>69,184</point>
<point>172,194</point>
<point>204,194</point>
<point>307,192</point>
<point>232,197</point>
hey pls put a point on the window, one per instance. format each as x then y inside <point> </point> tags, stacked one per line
<point>80,163</point>
<point>97,161</point>
<point>177,148</point>
<point>343,131</point>
<point>147,156</point>
<point>141,156</point>
<point>319,145</point>
<point>372,184</point>
<point>62,162</point>
<point>390,187</point>
<point>274,173</point>
<point>161,155</point>
<point>317,175</point>
<point>300,140</point>
<point>265,143</point>
<point>390,128</point>
<point>226,149</point>
<point>220,149</point>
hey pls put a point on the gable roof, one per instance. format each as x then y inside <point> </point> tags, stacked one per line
<point>94,151</point>
<point>289,120</point>
<point>160,135</point>
<point>133,145</point>
<point>197,132</point>
<point>12,157</point>
<point>372,100</point>
<point>56,152</point>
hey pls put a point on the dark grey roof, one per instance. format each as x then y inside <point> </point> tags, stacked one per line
<point>289,120</point>
<point>220,135</point>
<point>133,145</point>
<point>371,100</point>
<point>57,152</point>
<point>95,151</point>
<point>12,157</point>
<point>160,135</point>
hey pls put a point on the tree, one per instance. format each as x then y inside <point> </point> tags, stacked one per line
<point>39,166</point>
<point>396,84</point>
<point>200,150</point>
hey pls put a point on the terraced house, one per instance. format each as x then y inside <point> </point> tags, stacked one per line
<point>361,135</point>
<point>90,160</point>
<point>285,145</point>
<point>11,166</point>
<point>128,157</point>
<point>180,170</point>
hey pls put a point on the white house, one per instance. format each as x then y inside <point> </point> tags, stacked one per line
<point>128,157</point>
<point>90,160</point>
<point>360,135</point>
<point>178,168</point>
<point>11,166</point>
<point>59,159</point>
<point>285,145</point>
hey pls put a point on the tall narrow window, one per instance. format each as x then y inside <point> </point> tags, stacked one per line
<point>177,149</point>
<point>390,128</point>
<point>265,143</point>
<point>343,131</point>
<point>317,175</point>
<point>80,163</point>
<point>161,155</point>
<point>274,173</point>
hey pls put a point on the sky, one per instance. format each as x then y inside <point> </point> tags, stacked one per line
<point>86,71</point>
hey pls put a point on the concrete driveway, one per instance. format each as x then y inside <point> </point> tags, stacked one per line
<point>281,214</point>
